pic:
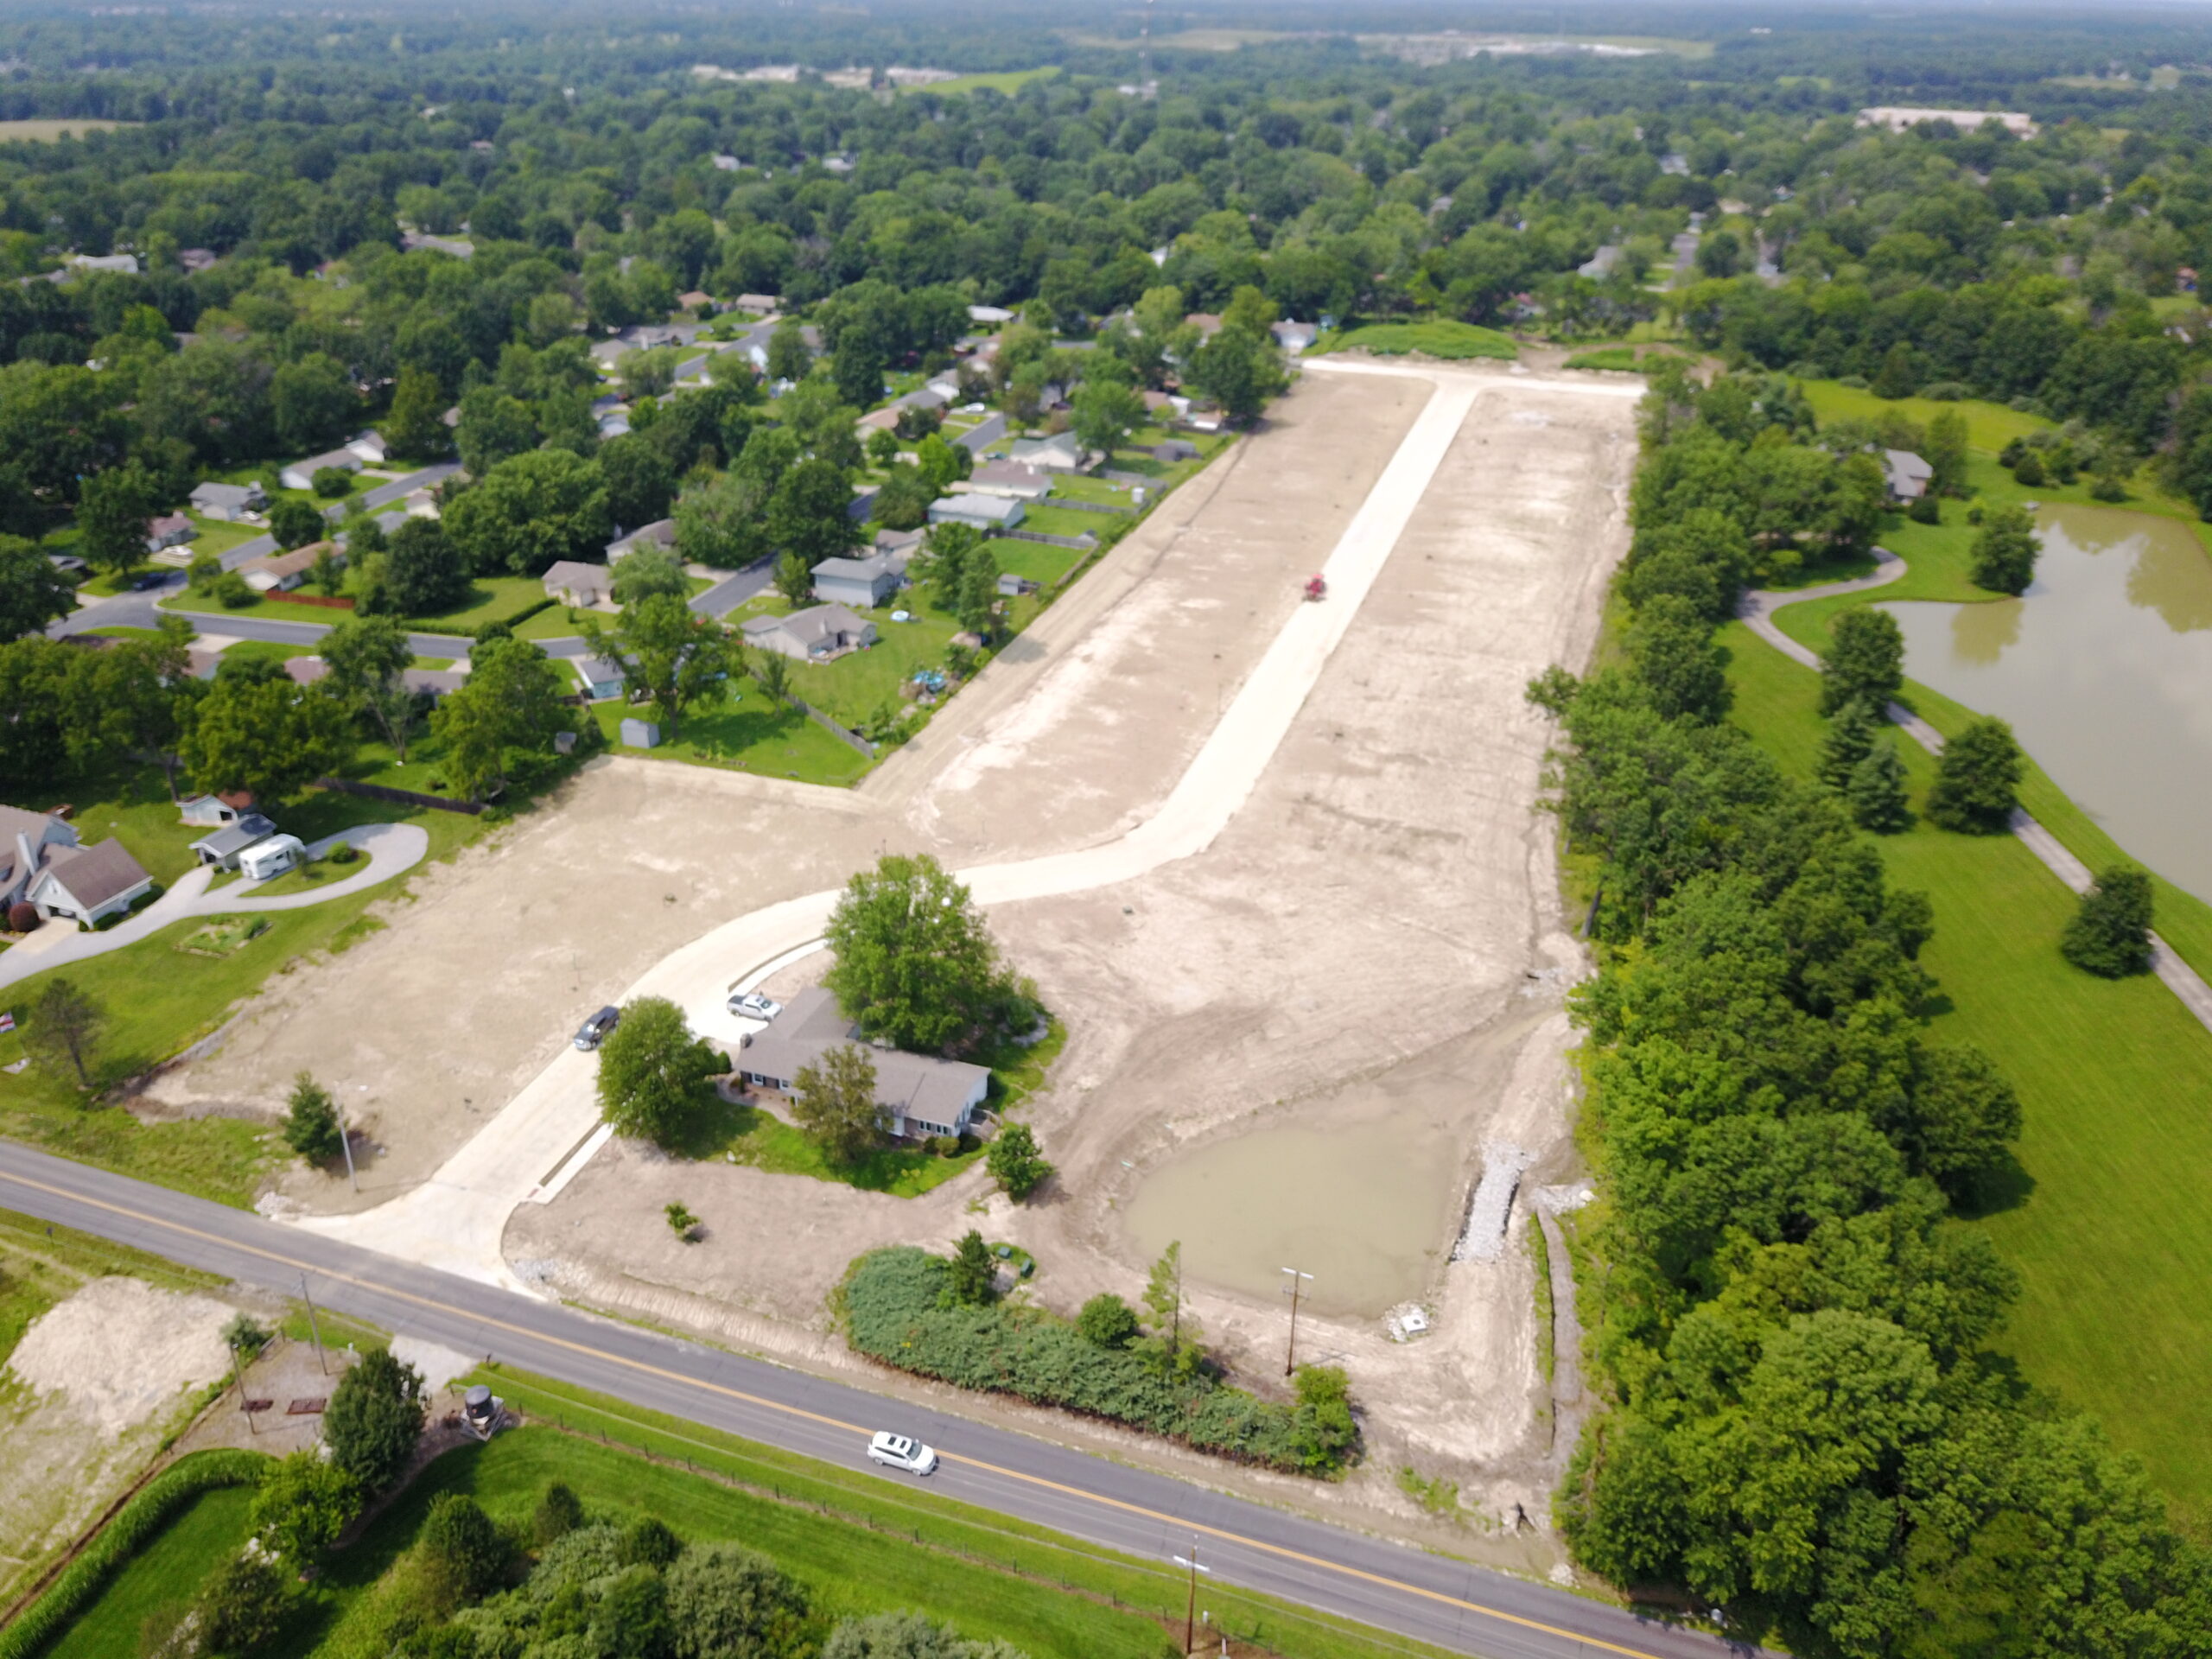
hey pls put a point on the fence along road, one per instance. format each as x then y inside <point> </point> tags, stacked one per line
<point>1429,1598</point>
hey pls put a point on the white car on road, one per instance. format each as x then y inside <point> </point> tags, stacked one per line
<point>753,1005</point>
<point>901,1452</point>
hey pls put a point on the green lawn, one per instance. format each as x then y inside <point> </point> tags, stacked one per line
<point>1437,339</point>
<point>160,1000</point>
<point>746,1134</point>
<point>1008,81</point>
<point>154,1588</point>
<point>747,736</point>
<point>2107,1221</point>
<point>491,599</point>
<point>1049,521</point>
<point>855,685</point>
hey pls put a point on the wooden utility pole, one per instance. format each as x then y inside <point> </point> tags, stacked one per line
<point>1290,1359</point>
<point>238,1377</point>
<point>314,1329</point>
<point>346,1140</point>
<point>1190,1607</point>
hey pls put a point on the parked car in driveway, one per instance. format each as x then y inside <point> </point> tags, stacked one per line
<point>594,1031</point>
<point>753,1005</point>
<point>901,1452</point>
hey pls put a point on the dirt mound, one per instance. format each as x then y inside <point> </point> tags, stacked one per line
<point>120,1350</point>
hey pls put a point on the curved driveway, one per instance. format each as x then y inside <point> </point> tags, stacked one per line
<point>392,848</point>
<point>456,1218</point>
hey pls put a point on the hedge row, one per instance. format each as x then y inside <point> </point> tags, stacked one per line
<point>138,1521</point>
<point>501,624</point>
<point>897,1310</point>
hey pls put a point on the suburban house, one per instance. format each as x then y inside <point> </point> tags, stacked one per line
<point>573,582</point>
<point>300,475</point>
<point>990,315</point>
<point>217,809</point>
<point>877,420</point>
<point>306,670</point>
<point>920,1094</point>
<point>170,530</point>
<point>1907,475</point>
<point>818,634</point>
<point>908,541</point>
<point>983,512</point>
<point>599,678</point>
<point>1058,454</point>
<point>229,502</point>
<point>760,305</point>
<point>1010,478</point>
<point>862,583</point>
<point>221,848</point>
<point>435,683</point>
<point>280,573</point>
<point>659,533</point>
<point>370,448</point>
<point>863,508</point>
<point>42,864</point>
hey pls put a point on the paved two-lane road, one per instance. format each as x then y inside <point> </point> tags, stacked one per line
<point>1429,1598</point>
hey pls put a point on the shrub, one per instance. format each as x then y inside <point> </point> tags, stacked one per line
<point>1015,1164</point>
<point>1945,391</point>
<point>1926,509</point>
<point>241,1604</point>
<point>897,1311</point>
<point>1107,1321</point>
<point>461,1549</point>
<point>1856,382</point>
<point>231,591</point>
<point>22,917</point>
<point>246,1336</point>
<point>559,1513</point>
<point>331,482</point>
<point>2028,471</point>
<point>165,1495</point>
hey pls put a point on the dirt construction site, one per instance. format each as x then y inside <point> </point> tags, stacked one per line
<point>1371,948</point>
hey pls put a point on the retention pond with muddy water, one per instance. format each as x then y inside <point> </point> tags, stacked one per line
<point>2104,669</point>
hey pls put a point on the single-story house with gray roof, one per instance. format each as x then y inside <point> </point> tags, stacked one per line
<point>1907,475</point>
<point>573,582</point>
<point>600,677</point>
<point>85,884</point>
<point>659,533</point>
<point>918,1093</point>
<point>300,475</point>
<point>1010,477</point>
<point>818,634</point>
<point>229,502</point>
<point>983,512</point>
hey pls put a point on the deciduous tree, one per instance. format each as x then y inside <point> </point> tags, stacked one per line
<point>1864,661</point>
<point>916,966</point>
<point>833,1100</point>
<point>1107,1321</point>
<point>1978,779</point>
<point>65,1027</point>
<point>2005,551</point>
<point>811,514</point>
<point>266,736</point>
<point>367,657</point>
<point>374,1419</point>
<point>301,1507</point>
<point>648,571</point>
<point>528,512</point>
<point>653,1072</point>
<point>33,590</point>
<point>2110,934</point>
<point>672,655</point>
<point>296,523</point>
<point>415,427</point>
<point>507,709</point>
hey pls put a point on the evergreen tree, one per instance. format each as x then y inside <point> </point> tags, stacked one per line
<point>1849,739</point>
<point>1876,790</point>
<point>311,1125</point>
<point>2110,934</point>
<point>972,1270</point>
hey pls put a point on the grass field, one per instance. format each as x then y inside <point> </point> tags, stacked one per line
<point>155,1589</point>
<point>1007,81</point>
<point>491,599</point>
<point>2106,1220</point>
<point>46,131</point>
<point>1451,340</point>
<point>746,735</point>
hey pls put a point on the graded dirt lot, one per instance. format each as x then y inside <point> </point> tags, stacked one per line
<point>1380,915</point>
<point>424,1030</point>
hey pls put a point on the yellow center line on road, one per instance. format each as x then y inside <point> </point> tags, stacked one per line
<point>1280,1551</point>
